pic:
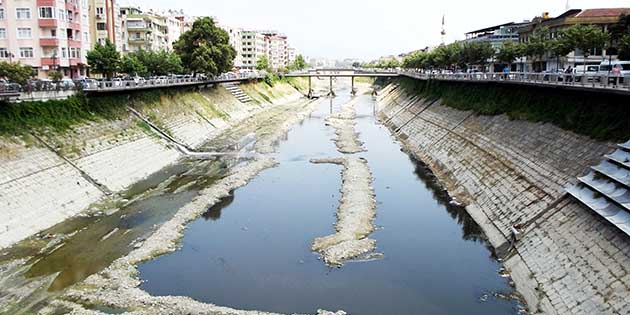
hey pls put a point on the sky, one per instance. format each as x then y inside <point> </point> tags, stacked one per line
<point>368,29</point>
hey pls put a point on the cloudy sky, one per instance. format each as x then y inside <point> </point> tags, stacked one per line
<point>368,29</point>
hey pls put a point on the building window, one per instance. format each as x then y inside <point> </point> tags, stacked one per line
<point>24,33</point>
<point>4,53</point>
<point>64,52</point>
<point>23,13</point>
<point>101,26</point>
<point>26,52</point>
<point>46,13</point>
<point>99,11</point>
<point>3,33</point>
<point>62,15</point>
<point>1,13</point>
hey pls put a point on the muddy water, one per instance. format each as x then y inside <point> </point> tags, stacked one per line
<point>252,251</point>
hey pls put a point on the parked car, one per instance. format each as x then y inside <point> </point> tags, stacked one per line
<point>589,73</point>
<point>7,86</point>
<point>606,68</point>
<point>552,75</point>
<point>66,84</point>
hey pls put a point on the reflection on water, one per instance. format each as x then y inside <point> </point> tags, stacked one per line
<point>252,251</point>
<point>471,231</point>
<point>214,213</point>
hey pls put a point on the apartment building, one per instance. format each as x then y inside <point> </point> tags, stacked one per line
<point>105,22</point>
<point>236,40</point>
<point>277,47</point>
<point>151,31</point>
<point>253,47</point>
<point>46,35</point>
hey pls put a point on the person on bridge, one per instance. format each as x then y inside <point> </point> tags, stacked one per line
<point>616,73</point>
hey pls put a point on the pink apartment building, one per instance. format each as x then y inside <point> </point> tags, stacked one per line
<point>46,35</point>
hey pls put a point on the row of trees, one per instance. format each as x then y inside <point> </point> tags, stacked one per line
<point>298,64</point>
<point>106,60</point>
<point>542,44</point>
<point>203,49</point>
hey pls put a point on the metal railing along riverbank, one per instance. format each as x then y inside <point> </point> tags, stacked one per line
<point>141,84</point>
<point>577,80</point>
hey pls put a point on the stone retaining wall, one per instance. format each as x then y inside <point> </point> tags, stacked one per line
<point>513,172</point>
<point>38,188</point>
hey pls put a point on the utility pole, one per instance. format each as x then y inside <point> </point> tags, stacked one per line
<point>443,33</point>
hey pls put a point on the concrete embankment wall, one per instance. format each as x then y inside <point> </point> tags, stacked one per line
<point>510,172</point>
<point>47,176</point>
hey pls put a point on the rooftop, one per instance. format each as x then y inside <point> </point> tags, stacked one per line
<point>607,12</point>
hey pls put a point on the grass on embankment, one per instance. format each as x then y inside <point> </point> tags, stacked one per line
<point>600,116</point>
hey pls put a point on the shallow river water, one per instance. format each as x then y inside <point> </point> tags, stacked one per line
<point>252,251</point>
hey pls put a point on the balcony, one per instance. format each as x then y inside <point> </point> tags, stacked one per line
<point>74,43</point>
<point>47,23</point>
<point>49,61</point>
<point>46,3</point>
<point>48,42</point>
<point>71,6</point>
<point>75,62</point>
<point>75,25</point>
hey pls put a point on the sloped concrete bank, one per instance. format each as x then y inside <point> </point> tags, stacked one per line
<point>512,172</point>
<point>47,176</point>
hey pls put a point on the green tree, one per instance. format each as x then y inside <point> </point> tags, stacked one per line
<point>537,46</point>
<point>477,53</point>
<point>263,63</point>
<point>624,47</point>
<point>559,48</point>
<point>15,72</point>
<point>585,38</point>
<point>206,48</point>
<point>509,52</point>
<point>131,65</point>
<point>104,59</point>
<point>298,64</point>
<point>55,75</point>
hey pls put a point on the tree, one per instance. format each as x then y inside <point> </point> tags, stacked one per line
<point>559,48</point>
<point>624,48</point>
<point>298,64</point>
<point>585,38</point>
<point>104,59</point>
<point>131,65</point>
<point>509,52</point>
<point>477,53</point>
<point>206,48</point>
<point>15,72</point>
<point>537,46</point>
<point>263,63</point>
<point>55,75</point>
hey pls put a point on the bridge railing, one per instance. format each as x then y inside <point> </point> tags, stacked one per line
<point>119,84</point>
<point>586,80</point>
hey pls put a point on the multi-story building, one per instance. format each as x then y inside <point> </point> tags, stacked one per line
<point>276,48</point>
<point>236,40</point>
<point>151,31</point>
<point>252,48</point>
<point>46,35</point>
<point>602,18</point>
<point>105,22</point>
<point>291,55</point>
<point>496,36</point>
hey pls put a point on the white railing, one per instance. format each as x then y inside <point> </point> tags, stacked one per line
<point>585,80</point>
<point>139,83</point>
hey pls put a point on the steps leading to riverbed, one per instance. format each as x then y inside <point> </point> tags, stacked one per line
<point>235,90</point>
<point>606,188</point>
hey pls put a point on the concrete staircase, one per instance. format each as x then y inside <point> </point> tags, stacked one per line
<point>235,90</point>
<point>606,188</point>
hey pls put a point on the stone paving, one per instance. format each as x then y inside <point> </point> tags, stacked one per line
<point>513,172</point>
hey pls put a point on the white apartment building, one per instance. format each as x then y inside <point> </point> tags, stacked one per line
<point>46,35</point>
<point>252,48</point>
<point>291,55</point>
<point>236,40</point>
<point>151,31</point>
<point>105,22</point>
<point>277,50</point>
